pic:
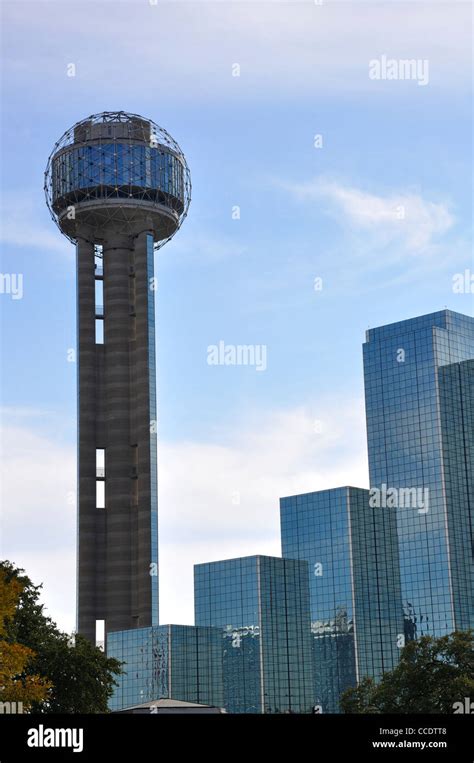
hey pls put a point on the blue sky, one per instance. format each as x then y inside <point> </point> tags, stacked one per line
<point>232,440</point>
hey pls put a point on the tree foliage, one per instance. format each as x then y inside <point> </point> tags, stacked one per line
<point>81,676</point>
<point>18,681</point>
<point>432,675</point>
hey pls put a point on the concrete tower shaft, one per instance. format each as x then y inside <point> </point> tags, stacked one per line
<point>117,542</point>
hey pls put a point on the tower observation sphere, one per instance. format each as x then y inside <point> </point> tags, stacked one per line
<point>118,186</point>
<point>118,170</point>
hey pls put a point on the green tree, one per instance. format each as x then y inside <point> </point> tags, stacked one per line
<point>17,684</point>
<point>82,676</point>
<point>433,674</point>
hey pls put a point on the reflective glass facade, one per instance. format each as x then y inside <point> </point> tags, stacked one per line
<point>356,615</point>
<point>115,169</point>
<point>169,661</point>
<point>262,606</point>
<point>405,392</point>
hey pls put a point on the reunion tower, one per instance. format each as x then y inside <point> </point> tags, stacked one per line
<point>117,186</point>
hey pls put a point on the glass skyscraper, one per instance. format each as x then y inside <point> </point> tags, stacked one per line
<point>167,661</point>
<point>261,604</point>
<point>356,613</point>
<point>419,426</point>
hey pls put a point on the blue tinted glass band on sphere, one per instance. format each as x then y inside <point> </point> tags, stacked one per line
<point>117,170</point>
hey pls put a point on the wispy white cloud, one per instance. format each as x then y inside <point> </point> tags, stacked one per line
<point>402,216</point>
<point>205,246</point>
<point>25,224</point>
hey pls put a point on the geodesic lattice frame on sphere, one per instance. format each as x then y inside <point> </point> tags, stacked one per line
<point>117,168</point>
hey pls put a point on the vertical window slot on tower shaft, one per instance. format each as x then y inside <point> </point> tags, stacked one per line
<point>99,293</point>
<point>100,634</point>
<point>100,478</point>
